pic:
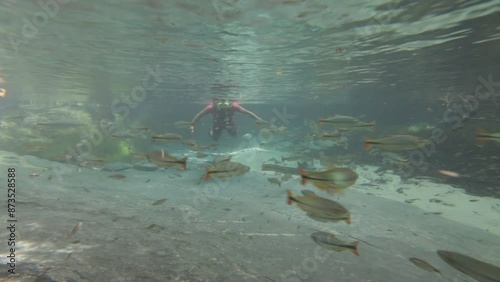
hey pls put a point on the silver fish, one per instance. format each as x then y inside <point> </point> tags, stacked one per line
<point>424,265</point>
<point>330,242</point>
<point>481,271</point>
<point>75,229</point>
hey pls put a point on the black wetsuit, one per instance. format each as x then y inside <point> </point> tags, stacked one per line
<point>223,119</point>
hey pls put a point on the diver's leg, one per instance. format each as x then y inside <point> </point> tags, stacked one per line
<point>232,129</point>
<point>216,132</point>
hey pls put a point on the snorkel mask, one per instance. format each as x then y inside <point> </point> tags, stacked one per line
<point>222,105</point>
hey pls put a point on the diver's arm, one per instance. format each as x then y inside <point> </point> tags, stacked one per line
<point>249,113</point>
<point>203,112</point>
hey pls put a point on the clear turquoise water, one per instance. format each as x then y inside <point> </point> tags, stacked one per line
<point>413,67</point>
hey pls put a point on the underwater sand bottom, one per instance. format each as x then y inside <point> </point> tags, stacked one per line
<point>241,230</point>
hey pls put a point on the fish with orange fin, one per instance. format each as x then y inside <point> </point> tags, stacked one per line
<point>336,135</point>
<point>424,265</point>
<point>339,121</point>
<point>396,143</point>
<point>347,123</point>
<point>358,126</point>
<point>484,136</point>
<point>226,169</point>
<point>163,159</point>
<point>33,148</point>
<point>330,242</point>
<point>167,137</point>
<point>319,208</point>
<point>333,180</point>
<point>117,176</point>
<point>479,270</point>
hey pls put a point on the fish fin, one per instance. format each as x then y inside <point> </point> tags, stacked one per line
<point>183,164</point>
<point>302,174</point>
<point>348,221</point>
<point>329,189</point>
<point>368,143</point>
<point>372,125</point>
<point>480,140</point>
<point>323,186</point>
<point>482,132</point>
<point>308,192</point>
<point>339,192</point>
<point>207,175</point>
<point>290,197</point>
<point>325,137</point>
<point>355,250</point>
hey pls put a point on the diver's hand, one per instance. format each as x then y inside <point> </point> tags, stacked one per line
<point>260,122</point>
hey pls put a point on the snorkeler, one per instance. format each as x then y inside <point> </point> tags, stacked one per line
<point>223,111</point>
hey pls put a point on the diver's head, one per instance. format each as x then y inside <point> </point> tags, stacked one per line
<point>222,104</point>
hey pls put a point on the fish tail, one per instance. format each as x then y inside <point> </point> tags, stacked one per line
<point>290,197</point>
<point>482,132</point>
<point>302,173</point>
<point>480,137</point>
<point>355,249</point>
<point>372,125</point>
<point>479,141</point>
<point>368,143</point>
<point>183,163</point>
<point>207,175</point>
